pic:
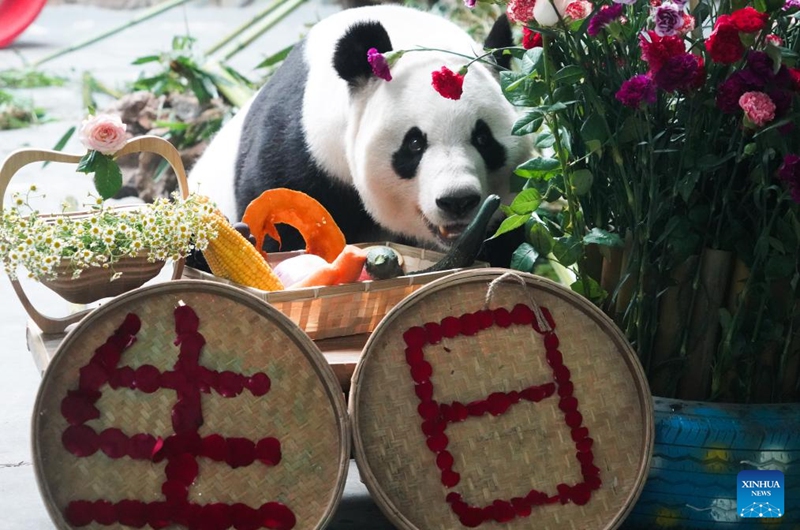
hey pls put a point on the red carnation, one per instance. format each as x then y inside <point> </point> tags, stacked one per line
<point>448,83</point>
<point>531,39</point>
<point>658,50</point>
<point>724,44</point>
<point>748,20</point>
<point>795,73</point>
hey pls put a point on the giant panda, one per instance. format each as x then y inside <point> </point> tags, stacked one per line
<point>390,160</point>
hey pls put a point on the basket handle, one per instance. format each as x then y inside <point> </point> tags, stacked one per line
<point>22,157</point>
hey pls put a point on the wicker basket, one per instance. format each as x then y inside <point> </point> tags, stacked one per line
<point>463,416</point>
<point>342,310</point>
<point>99,416</point>
<point>93,284</point>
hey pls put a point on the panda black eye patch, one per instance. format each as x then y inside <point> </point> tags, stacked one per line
<point>492,152</point>
<point>406,159</point>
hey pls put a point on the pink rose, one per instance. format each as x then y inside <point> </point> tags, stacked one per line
<point>103,133</point>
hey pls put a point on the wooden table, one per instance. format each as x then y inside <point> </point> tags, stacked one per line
<point>342,353</point>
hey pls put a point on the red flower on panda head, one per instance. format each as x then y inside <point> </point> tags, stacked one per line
<point>447,83</point>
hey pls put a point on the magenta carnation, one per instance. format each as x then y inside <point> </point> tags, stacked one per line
<point>668,19</point>
<point>603,18</point>
<point>378,64</point>
<point>637,90</point>
<point>678,72</point>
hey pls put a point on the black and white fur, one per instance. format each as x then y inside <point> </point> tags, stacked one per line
<point>389,160</point>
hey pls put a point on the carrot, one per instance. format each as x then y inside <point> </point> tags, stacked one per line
<point>346,268</point>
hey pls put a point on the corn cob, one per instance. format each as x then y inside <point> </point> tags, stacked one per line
<point>231,256</point>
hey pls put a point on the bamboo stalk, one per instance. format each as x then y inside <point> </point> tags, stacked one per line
<point>287,7</point>
<point>609,278</point>
<point>234,91</point>
<point>146,15</point>
<point>241,29</point>
<point>628,283</point>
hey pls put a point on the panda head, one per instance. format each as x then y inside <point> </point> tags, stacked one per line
<point>423,164</point>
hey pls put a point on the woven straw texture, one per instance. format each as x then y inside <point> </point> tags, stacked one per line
<point>304,408</point>
<point>529,446</point>
<point>342,310</point>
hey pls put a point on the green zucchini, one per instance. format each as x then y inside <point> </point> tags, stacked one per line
<point>465,249</point>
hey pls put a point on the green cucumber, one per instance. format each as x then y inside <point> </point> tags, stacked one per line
<point>383,263</point>
<point>465,249</point>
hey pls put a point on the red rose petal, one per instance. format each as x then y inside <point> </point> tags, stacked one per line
<point>159,515</point>
<point>157,453</point>
<point>177,444</point>
<point>428,410</point>
<point>77,409</point>
<point>241,452</point>
<point>147,378</point>
<point>208,379</point>
<point>573,419</point>
<point>186,320</point>
<point>230,384</point>
<point>421,371</point>
<point>452,497</point>
<point>141,446</point>
<point>107,355</point>
<point>424,391</point>
<point>175,490</point>
<point>244,517</point>
<point>415,337</point>
<point>414,355</point>
<point>522,506</point>
<point>130,326</point>
<point>533,393</point>
<point>477,408</point>
<point>432,426</point>
<point>459,411</point>
<point>536,498</point>
<point>121,378</point>
<point>216,516</point>
<point>593,481</point>
<point>459,507</point>
<point>471,518</point>
<point>434,332</point>
<point>549,389</point>
<point>187,416</point>
<point>590,470</point>
<point>563,493</point>
<point>469,324</point>
<point>554,358</point>
<point>276,516</point>
<point>104,512</point>
<point>182,468</point>
<point>522,314</point>
<point>579,433</point>
<point>191,344</point>
<point>568,404</point>
<point>561,374</point>
<point>503,511</point>
<point>437,442</point>
<point>549,318</point>
<point>502,317</point>
<point>120,341</point>
<point>514,397</point>
<point>268,451</point>
<point>114,443</point>
<point>485,318</point>
<point>584,445</point>
<point>258,384</point>
<point>132,513</point>
<point>565,389</point>
<point>451,327</point>
<point>580,494</point>
<point>450,478</point>
<point>551,341</point>
<point>92,377</point>
<point>585,457</point>
<point>498,403</point>
<point>79,513</point>
<point>444,460</point>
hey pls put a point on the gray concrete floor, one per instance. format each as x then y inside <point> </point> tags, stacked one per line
<point>110,61</point>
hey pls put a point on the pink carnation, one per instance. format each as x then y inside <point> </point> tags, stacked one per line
<point>578,10</point>
<point>757,107</point>
<point>104,133</point>
<point>520,11</point>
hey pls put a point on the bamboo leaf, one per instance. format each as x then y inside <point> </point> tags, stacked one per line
<point>147,59</point>
<point>62,142</point>
<point>275,58</point>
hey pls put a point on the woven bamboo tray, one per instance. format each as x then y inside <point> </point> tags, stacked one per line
<point>273,445</point>
<point>462,415</point>
<point>343,310</point>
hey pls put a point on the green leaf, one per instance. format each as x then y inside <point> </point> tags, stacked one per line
<point>522,91</point>
<point>532,61</point>
<point>275,58</point>
<point>567,250</point>
<point>526,202</point>
<point>510,223</point>
<point>582,181</point>
<point>593,132</point>
<point>686,184</point>
<point>569,75</point>
<point>524,258</point>
<point>147,59</point>
<point>530,123</point>
<point>545,140</point>
<point>602,237</point>
<point>540,167</point>
<point>541,239</point>
<point>589,288</point>
<point>107,175</point>
<point>62,142</point>
<point>779,267</point>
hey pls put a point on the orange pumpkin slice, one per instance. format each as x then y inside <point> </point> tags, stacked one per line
<point>294,208</point>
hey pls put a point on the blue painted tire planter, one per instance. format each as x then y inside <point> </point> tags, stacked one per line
<point>700,448</point>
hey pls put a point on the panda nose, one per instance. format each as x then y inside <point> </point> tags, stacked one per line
<point>458,205</point>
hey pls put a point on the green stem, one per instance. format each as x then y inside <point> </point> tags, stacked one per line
<point>244,27</point>
<point>146,15</point>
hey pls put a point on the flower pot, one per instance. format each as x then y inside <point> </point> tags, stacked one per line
<point>95,283</point>
<point>699,450</point>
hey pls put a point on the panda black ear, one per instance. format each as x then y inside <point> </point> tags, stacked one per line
<point>500,37</point>
<point>350,55</point>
